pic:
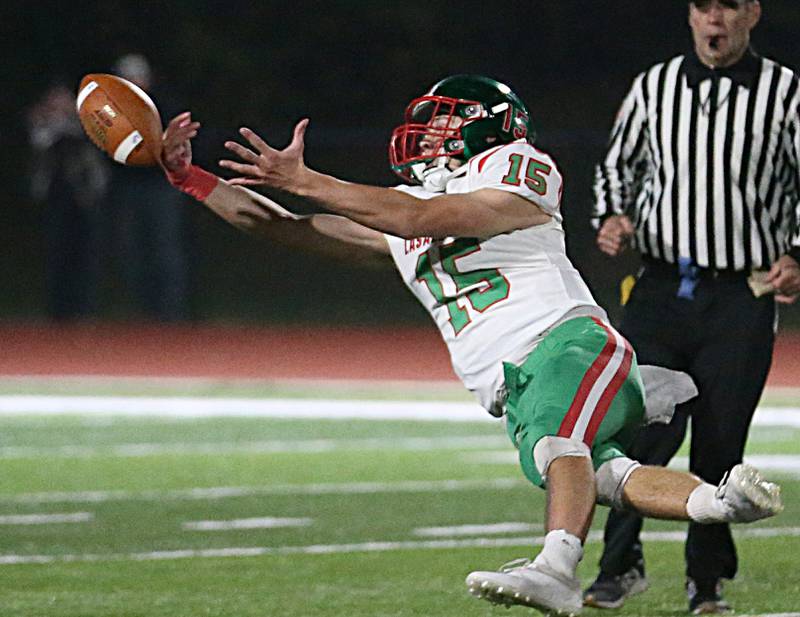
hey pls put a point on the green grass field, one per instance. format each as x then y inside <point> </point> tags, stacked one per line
<point>368,517</point>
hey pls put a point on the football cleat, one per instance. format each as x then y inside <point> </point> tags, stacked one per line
<point>609,591</point>
<point>747,496</point>
<point>705,597</point>
<point>526,583</point>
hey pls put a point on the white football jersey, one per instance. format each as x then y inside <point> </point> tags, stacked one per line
<point>492,299</point>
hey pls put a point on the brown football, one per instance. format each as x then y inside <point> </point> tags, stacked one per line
<point>120,119</point>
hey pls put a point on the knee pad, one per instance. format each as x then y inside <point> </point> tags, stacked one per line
<point>610,479</point>
<point>549,448</point>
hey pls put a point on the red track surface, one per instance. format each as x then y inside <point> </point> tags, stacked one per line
<point>291,352</point>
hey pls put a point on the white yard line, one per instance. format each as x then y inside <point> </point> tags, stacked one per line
<point>196,407</point>
<point>779,464</point>
<point>225,492</point>
<point>246,523</point>
<point>475,530</point>
<point>363,547</point>
<point>46,519</point>
<point>304,446</point>
<point>654,536</point>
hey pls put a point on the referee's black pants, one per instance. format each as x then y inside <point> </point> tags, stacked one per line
<point>723,338</point>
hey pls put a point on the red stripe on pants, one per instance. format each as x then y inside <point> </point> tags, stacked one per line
<point>604,404</point>
<point>589,379</point>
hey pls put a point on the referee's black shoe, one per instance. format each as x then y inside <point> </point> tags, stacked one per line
<point>610,591</point>
<point>705,597</point>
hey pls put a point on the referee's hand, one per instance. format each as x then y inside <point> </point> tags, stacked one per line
<point>615,234</point>
<point>785,278</point>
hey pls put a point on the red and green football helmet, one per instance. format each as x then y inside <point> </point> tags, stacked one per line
<point>490,114</point>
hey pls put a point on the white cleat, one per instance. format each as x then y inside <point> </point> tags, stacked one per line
<point>748,496</point>
<point>525,583</point>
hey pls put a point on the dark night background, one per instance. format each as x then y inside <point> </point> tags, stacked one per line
<point>351,66</point>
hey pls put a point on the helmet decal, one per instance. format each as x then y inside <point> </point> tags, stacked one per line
<point>520,120</point>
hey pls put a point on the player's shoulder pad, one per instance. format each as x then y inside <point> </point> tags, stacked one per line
<point>519,168</point>
<point>501,158</point>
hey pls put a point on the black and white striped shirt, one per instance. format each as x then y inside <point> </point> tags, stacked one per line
<point>707,163</point>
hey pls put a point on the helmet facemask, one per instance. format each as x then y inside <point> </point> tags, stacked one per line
<point>431,136</point>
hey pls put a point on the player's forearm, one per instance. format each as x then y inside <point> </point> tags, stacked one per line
<point>344,230</point>
<point>258,215</point>
<point>230,203</point>
<point>379,208</point>
<point>235,207</point>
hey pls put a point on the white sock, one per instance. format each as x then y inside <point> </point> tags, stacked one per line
<point>561,552</point>
<point>703,506</point>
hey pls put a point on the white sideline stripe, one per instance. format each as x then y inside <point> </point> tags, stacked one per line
<point>247,523</point>
<point>306,446</point>
<point>83,94</point>
<point>780,463</point>
<point>305,385</point>
<point>771,462</point>
<point>364,547</point>
<point>772,615</point>
<point>126,146</point>
<point>46,519</point>
<point>199,407</point>
<point>475,530</point>
<point>777,416</point>
<point>225,492</point>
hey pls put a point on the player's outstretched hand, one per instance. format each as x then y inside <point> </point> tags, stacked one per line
<point>176,153</point>
<point>263,165</point>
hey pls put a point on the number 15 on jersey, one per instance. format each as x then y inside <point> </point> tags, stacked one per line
<point>481,288</point>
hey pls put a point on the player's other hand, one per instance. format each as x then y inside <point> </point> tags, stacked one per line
<point>176,153</point>
<point>785,278</point>
<point>264,165</point>
<point>615,234</point>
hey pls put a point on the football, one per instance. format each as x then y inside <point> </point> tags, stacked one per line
<point>120,119</point>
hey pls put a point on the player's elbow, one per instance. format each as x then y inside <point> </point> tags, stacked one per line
<point>411,228</point>
<point>415,222</point>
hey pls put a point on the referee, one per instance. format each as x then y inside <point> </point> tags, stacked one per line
<point>701,176</point>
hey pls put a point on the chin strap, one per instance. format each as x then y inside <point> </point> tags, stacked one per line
<point>435,179</point>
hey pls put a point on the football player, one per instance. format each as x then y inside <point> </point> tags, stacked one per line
<point>476,234</point>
